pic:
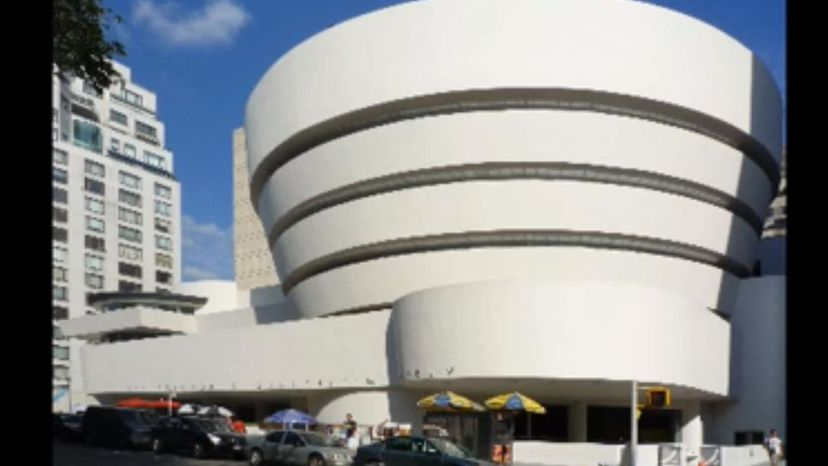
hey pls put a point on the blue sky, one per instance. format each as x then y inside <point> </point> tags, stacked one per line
<point>203,58</point>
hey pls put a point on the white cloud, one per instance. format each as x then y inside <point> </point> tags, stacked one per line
<point>216,23</point>
<point>207,250</point>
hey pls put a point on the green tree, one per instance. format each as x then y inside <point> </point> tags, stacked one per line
<point>80,46</point>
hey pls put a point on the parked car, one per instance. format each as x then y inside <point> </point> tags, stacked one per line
<point>292,448</point>
<point>200,437</point>
<point>117,427</point>
<point>415,451</point>
<point>67,427</point>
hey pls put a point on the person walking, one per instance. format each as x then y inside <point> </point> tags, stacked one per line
<point>774,447</point>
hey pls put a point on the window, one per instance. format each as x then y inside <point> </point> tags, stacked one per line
<point>129,252</point>
<point>59,312</point>
<point>59,175</point>
<point>132,98</point>
<point>399,443</point>
<point>163,277</point>
<point>59,234</point>
<point>164,243</point>
<point>155,160</point>
<point>87,135</point>
<point>60,195</point>
<point>129,180</point>
<point>129,234</point>
<point>96,282</point>
<point>59,214</point>
<point>54,115</point>
<point>96,206</point>
<point>163,260</point>
<point>162,225</point>
<point>161,289</point>
<point>59,274</point>
<point>163,208</point>
<point>94,168</point>
<point>94,186</point>
<point>118,117</point>
<point>59,157</point>
<point>163,191</point>
<point>115,145</point>
<point>61,372</point>
<point>143,129</point>
<point>96,244</point>
<point>125,286</point>
<point>275,437</point>
<point>60,352</point>
<point>54,134</point>
<point>129,216</point>
<point>129,150</point>
<point>129,198</point>
<point>95,224</point>
<point>292,439</point>
<point>59,255</point>
<point>56,333</point>
<point>94,263</point>
<point>58,293</point>
<point>129,270</point>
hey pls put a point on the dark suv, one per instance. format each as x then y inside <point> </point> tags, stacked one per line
<point>201,437</point>
<point>117,427</point>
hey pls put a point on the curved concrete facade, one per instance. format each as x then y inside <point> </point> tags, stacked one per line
<point>501,169</point>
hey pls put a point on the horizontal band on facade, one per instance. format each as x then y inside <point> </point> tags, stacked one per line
<point>513,238</point>
<point>504,171</point>
<point>512,99</point>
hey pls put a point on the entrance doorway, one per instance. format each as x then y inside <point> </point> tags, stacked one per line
<point>609,424</point>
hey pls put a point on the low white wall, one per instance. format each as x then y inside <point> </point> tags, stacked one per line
<point>315,354</point>
<point>752,455</point>
<point>574,454</point>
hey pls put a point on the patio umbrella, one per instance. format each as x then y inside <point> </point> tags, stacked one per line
<point>515,402</point>
<point>448,401</point>
<point>290,417</point>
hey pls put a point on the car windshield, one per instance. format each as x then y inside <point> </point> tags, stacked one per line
<point>450,449</point>
<point>212,425</point>
<point>318,440</point>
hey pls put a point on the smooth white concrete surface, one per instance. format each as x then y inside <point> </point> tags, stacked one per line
<point>758,389</point>
<point>579,330</point>
<point>136,318</point>
<point>368,407</point>
<point>355,285</point>
<point>220,294</point>
<point>533,452</point>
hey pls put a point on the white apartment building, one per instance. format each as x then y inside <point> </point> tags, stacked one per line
<point>116,208</point>
<point>558,197</point>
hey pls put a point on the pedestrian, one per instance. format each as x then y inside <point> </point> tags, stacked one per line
<point>350,426</point>
<point>774,446</point>
<point>238,426</point>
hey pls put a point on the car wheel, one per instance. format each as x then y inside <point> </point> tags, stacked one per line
<point>316,460</point>
<point>198,450</point>
<point>256,458</point>
<point>157,445</point>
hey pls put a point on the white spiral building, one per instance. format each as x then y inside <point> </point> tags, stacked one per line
<point>553,196</point>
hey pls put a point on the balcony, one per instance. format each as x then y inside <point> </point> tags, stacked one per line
<point>138,163</point>
<point>150,138</point>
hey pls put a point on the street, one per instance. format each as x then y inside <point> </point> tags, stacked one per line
<point>73,454</point>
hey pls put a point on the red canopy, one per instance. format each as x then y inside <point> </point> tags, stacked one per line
<point>151,404</point>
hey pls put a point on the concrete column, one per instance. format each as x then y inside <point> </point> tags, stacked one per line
<point>692,432</point>
<point>577,422</point>
<point>259,411</point>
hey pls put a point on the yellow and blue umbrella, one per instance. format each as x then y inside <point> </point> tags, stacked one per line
<point>448,401</point>
<point>515,402</point>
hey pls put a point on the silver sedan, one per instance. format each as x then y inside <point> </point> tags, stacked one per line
<point>292,448</point>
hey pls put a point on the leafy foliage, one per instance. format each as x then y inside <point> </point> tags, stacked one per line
<point>79,45</point>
